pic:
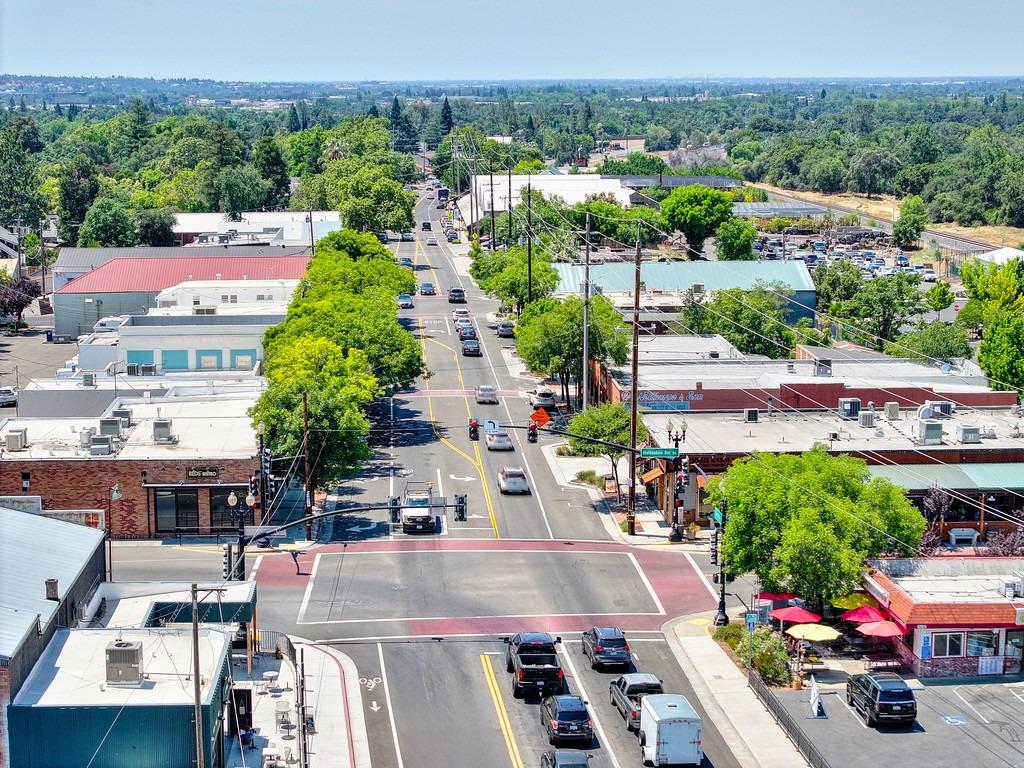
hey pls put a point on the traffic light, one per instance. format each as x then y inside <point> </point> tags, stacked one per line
<point>395,505</point>
<point>227,564</point>
<point>531,432</point>
<point>714,545</point>
<point>254,485</point>
<point>265,462</point>
<point>474,429</point>
<point>460,507</point>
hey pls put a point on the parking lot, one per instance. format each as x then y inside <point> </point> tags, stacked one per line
<point>966,724</point>
<point>26,355</point>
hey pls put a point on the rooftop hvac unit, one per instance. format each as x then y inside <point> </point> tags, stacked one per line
<point>968,433</point>
<point>849,407</point>
<point>110,426</point>
<point>697,289</point>
<point>929,432</point>
<point>750,415</point>
<point>823,367</point>
<point>132,369</point>
<point>124,414</point>
<point>124,663</point>
<point>17,439</point>
<point>943,409</point>
<point>85,436</point>
<point>714,354</point>
<point>866,419</point>
<point>162,432</point>
<point>892,410</point>
<point>88,379</point>
<point>101,445</point>
<point>147,369</point>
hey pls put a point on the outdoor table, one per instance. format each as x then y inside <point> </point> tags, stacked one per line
<point>270,679</point>
<point>282,710</point>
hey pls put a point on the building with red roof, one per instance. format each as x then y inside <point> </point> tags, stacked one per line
<point>129,286</point>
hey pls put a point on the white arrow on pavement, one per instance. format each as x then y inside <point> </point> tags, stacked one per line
<point>478,517</point>
<point>374,706</point>
<point>463,479</point>
<point>367,527</point>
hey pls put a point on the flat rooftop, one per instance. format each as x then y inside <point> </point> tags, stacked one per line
<point>72,670</point>
<point>954,580</point>
<point>789,431</point>
<point>130,604</point>
<point>207,427</point>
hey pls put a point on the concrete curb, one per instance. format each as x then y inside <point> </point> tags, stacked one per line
<point>749,730</point>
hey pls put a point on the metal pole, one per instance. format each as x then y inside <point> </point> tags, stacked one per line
<point>197,686</point>
<point>312,242</point>
<point>110,545</point>
<point>491,175</point>
<point>631,508</point>
<point>586,316</point>
<point>510,204</point>
<point>306,468</point>
<point>240,560</point>
<point>721,617</point>
<point>303,744</point>
<point>529,239</point>
<point>264,485</point>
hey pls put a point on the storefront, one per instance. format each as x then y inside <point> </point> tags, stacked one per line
<point>197,508</point>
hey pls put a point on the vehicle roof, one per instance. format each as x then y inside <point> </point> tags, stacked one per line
<point>470,342</point>
<point>569,703</point>
<point>641,678</point>
<point>608,632</point>
<point>513,470</point>
<point>670,705</point>
<point>570,757</point>
<point>426,282</point>
<point>536,637</point>
<point>888,681</point>
<point>487,388</point>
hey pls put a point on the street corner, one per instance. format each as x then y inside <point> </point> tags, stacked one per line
<point>285,567</point>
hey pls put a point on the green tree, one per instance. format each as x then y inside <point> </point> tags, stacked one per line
<point>734,240</point>
<point>108,223</point>
<point>815,561</point>
<point>268,160</point>
<point>908,227</point>
<point>752,321</point>
<point>939,297</point>
<point>240,189</point>
<point>872,170</point>
<point>608,422</point>
<point>635,164</point>
<point>764,650</point>
<point>884,305</point>
<point>367,197</point>
<point>511,284</point>
<point>827,175</point>
<point>935,341</point>
<point>19,197</point>
<point>1001,355</point>
<point>77,187</point>
<point>15,297</point>
<point>293,124</point>
<point>224,148</point>
<point>836,281</point>
<point>447,123</point>
<point>696,211</point>
<point>155,227</point>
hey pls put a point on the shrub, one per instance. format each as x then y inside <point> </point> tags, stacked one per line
<point>590,477</point>
<point>730,634</point>
<point>765,650</point>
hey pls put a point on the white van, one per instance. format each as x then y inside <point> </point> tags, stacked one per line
<point>109,324</point>
<point>670,731</point>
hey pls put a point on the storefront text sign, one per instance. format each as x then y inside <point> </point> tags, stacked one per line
<point>199,473</point>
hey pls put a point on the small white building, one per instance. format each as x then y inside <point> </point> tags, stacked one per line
<point>272,227</point>
<point>204,295</point>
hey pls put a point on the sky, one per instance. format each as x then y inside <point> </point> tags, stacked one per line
<point>324,40</point>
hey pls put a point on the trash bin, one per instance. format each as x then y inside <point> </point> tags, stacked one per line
<point>49,335</point>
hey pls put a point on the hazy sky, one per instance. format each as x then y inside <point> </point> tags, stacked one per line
<point>440,39</point>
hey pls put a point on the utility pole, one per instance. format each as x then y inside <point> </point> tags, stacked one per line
<point>312,242</point>
<point>510,204</point>
<point>586,315</point>
<point>306,468</point>
<point>631,508</point>
<point>197,683</point>
<point>529,240</point>
<point>42,253</point>
<point>491,174</point>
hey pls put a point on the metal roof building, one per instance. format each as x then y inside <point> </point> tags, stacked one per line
<point>670,181</point>
<point>776,208</point>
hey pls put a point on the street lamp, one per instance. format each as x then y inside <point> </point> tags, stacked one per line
<point>721,617</point>
<point>114,495</point>
<point>676,436</point>
<point>239,516</point>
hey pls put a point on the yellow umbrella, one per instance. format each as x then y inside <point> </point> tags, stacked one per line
<point>816,633</point>
<point>854,600</point>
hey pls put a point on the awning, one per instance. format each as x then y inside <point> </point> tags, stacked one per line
<point>651,475</point>
<point>960,477</point>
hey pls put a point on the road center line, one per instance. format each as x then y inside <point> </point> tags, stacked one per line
<point>502,713</point>
<point>591,706</point>
<point>387,700</point>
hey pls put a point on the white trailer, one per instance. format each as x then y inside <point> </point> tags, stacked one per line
<point>670,731</point>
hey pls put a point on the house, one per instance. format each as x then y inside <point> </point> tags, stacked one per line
<point>282,227</point>
<point>1000,256</point>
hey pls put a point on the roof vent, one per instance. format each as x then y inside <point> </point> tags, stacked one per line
<point>85,436</point>
<point>51,590</point>
<point>124,663</point>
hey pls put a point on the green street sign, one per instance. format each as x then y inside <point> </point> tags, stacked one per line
<point>659,453</point>
<point>716,515</point>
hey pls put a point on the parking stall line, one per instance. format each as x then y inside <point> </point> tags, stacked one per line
<point>956,692</point>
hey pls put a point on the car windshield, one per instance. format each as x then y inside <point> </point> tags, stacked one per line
<point>895,696</point>
<point>613,642</point>
<point>516,474</point>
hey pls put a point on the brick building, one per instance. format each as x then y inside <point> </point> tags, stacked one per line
<point>174,461</point>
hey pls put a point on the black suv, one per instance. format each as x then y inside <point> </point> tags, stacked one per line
<point>456,296</point>
<point>565,718</point>
<point>881,697</point>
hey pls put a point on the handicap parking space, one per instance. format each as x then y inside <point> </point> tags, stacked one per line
<point>969,724</point>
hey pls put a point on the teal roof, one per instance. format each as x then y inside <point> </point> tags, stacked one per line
<point>682,275</point>
<point>961,477</point>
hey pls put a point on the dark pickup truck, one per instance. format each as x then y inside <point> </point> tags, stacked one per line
<point>533,662</point>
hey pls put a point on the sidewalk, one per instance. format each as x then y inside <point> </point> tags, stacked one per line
<point>749,730</point>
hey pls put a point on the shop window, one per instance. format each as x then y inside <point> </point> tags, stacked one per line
<point>176,508</point>
<point>945,644</point>
<point>220,511</point>
<point>982,643</point>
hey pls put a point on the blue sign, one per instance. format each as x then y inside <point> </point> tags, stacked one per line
<point>926,647</point>
<point>751,621</point>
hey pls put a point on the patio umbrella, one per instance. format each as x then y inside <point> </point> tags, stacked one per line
<point>775,597</point>
<point>880,629</point>
<point>794,614</point>
<point>815,633</point>
<point>863,614</point>
<point>853,600</point>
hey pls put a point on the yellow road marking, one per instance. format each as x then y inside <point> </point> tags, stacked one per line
<point>499,708</point>
<point>487,490</point>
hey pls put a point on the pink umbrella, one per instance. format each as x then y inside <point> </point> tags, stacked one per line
<point>880,629</point>
<point>775,597</point>
<point>795,615</point>
<point>863,614</point>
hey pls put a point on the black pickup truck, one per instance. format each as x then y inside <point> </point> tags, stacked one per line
<point>533,662</point>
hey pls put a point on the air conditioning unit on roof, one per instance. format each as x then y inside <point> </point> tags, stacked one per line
<point>892,410</point>
<point>849,408</point>
<point>124,662</point>
<point>866,419</point>
<point>101,445</point>
<point>929,432</point>
<point>16,439</point>
<point>942,408</point>
<point>750,415</point>
<point>110,426</point>
<point>968,433</point>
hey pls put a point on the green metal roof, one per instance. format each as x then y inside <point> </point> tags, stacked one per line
<point>956,476</point>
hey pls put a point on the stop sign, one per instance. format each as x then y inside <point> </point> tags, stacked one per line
<point>956,307</point>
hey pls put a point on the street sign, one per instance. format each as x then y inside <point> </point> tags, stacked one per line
<point>540,417</point>
<point>751,621</point>
<point>491,426</point>
<point>659,453</point>
<point>716,515</point>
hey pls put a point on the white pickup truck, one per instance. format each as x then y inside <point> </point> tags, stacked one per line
<point>417,514</point>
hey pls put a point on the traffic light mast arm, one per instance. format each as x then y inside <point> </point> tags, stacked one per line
<point>564,433</point>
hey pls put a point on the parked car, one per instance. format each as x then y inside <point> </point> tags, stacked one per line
<point>513,480</point>
<point>928,276</point>
<point>383,237</point>
<point>606,645</point>
<point>901,260</point>
<point>565,718</point>
<point>541,397</point>
<point>564,758</point>
<point>405,301</point>
<point>498,441</point>
<point>531,658</point>
<point>8,396</point>
<point>486,394</point>
<point>453,237</point>
<point>427,289</point>
<point>456,296</point>
<point>881,697</point>
<point>471,348</point>
<point>407,236</point>
<point>506,330</point>
<point>626,691</point>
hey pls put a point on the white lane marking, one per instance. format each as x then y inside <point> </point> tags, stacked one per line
<point>387,701</point>
<point>391,482</point>
<point>309,590</point>
<point>255,568</point>
<point>444,512</point>
<point>693,564</point>
<point>647,582</point>
<point>593,710</point>
<point>956,691</point>
<point>856,715</point>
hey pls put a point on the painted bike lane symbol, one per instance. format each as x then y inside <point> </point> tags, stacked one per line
<point>370,682</point>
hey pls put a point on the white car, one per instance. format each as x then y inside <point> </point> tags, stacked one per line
<point>486,393</point>
<point>928,276</point>
<point>541,397</point>
<point>513,480</point>
<point>461,314</point>
<point>498,441</point>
